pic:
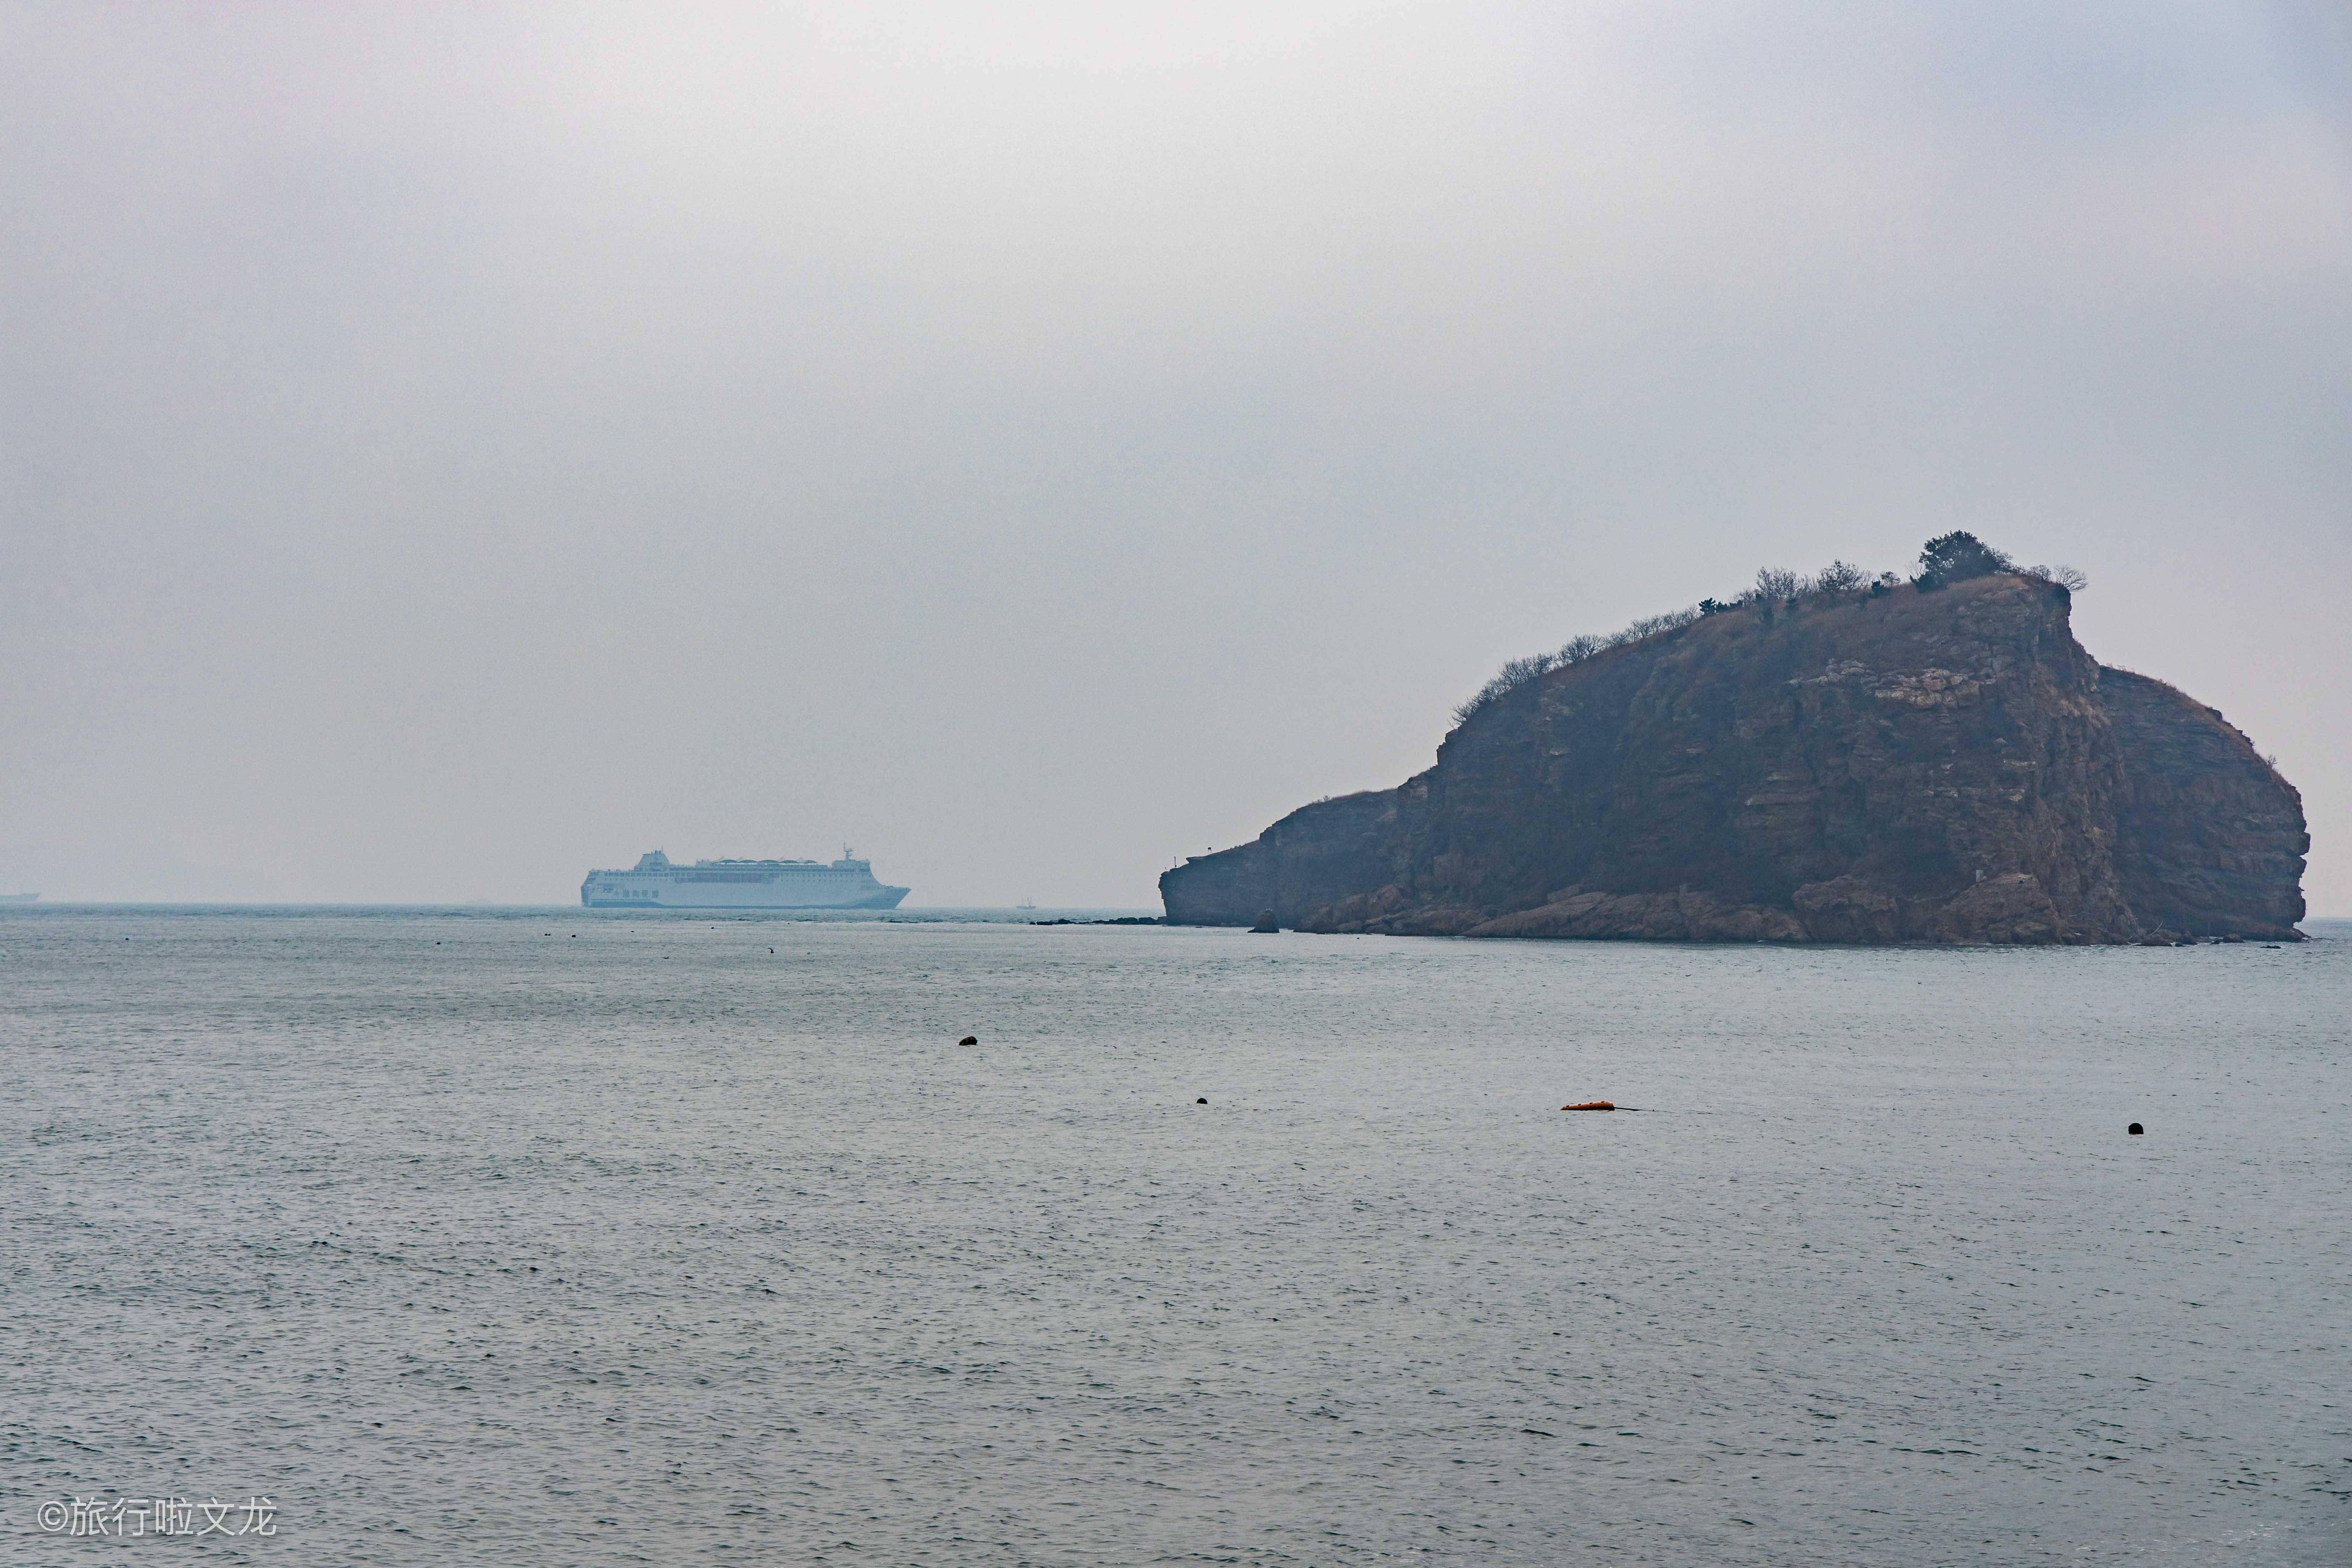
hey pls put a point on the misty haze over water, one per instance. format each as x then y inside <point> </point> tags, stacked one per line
<point>447,448</point>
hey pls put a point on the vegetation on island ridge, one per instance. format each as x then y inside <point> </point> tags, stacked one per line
<point>1944,560</point>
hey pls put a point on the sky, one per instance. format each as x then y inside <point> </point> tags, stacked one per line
<point>443,448</point>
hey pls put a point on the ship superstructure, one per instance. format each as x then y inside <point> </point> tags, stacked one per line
<point>655,883</point>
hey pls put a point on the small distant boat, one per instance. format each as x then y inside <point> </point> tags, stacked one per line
<point>17,897</point>
<point>1026,904</point>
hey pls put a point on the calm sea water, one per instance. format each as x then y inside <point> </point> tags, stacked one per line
<point>563,1237</point>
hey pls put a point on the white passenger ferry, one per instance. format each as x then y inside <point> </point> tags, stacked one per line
<point>654,883</point>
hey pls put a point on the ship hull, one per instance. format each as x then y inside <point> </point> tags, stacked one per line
<point>656,882</point>
<point>729,898</point>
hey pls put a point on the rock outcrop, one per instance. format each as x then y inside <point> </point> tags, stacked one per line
<point>1903,766</point>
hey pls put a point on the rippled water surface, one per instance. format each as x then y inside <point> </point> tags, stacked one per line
<point>566,1237</point>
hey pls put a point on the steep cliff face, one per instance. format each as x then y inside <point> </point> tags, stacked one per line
<point>1938,766</point>
<point>2210,840</point>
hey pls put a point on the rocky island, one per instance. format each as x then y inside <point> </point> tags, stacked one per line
<point>1841,759</point>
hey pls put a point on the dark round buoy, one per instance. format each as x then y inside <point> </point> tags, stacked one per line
<point>1202,1100</point>
<point>2134,1129</point>
<point>968,1040</point>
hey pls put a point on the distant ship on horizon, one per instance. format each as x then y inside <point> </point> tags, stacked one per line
<point>17,897</point>
<point>655,883</point>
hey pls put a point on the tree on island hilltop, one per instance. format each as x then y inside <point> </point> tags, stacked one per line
<point>1957,556</point>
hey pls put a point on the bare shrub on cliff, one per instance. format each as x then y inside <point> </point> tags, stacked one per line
<point>1579,649</point>
<point>1650,625</point>
<point>1507,679</point>
<point>2065,577</point>
<point>1520,672</point>
<point>1840,577</point>
<point>1773,582</point>
<point>1465,711</point>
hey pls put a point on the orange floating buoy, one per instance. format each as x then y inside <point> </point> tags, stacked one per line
<point>1592,1105</point>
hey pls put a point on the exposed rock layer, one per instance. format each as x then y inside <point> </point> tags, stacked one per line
<point>1946,767</point>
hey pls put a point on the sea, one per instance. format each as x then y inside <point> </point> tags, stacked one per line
<point>563,1237</point>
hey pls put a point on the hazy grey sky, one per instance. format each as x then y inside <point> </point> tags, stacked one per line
<point>448,447</point>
